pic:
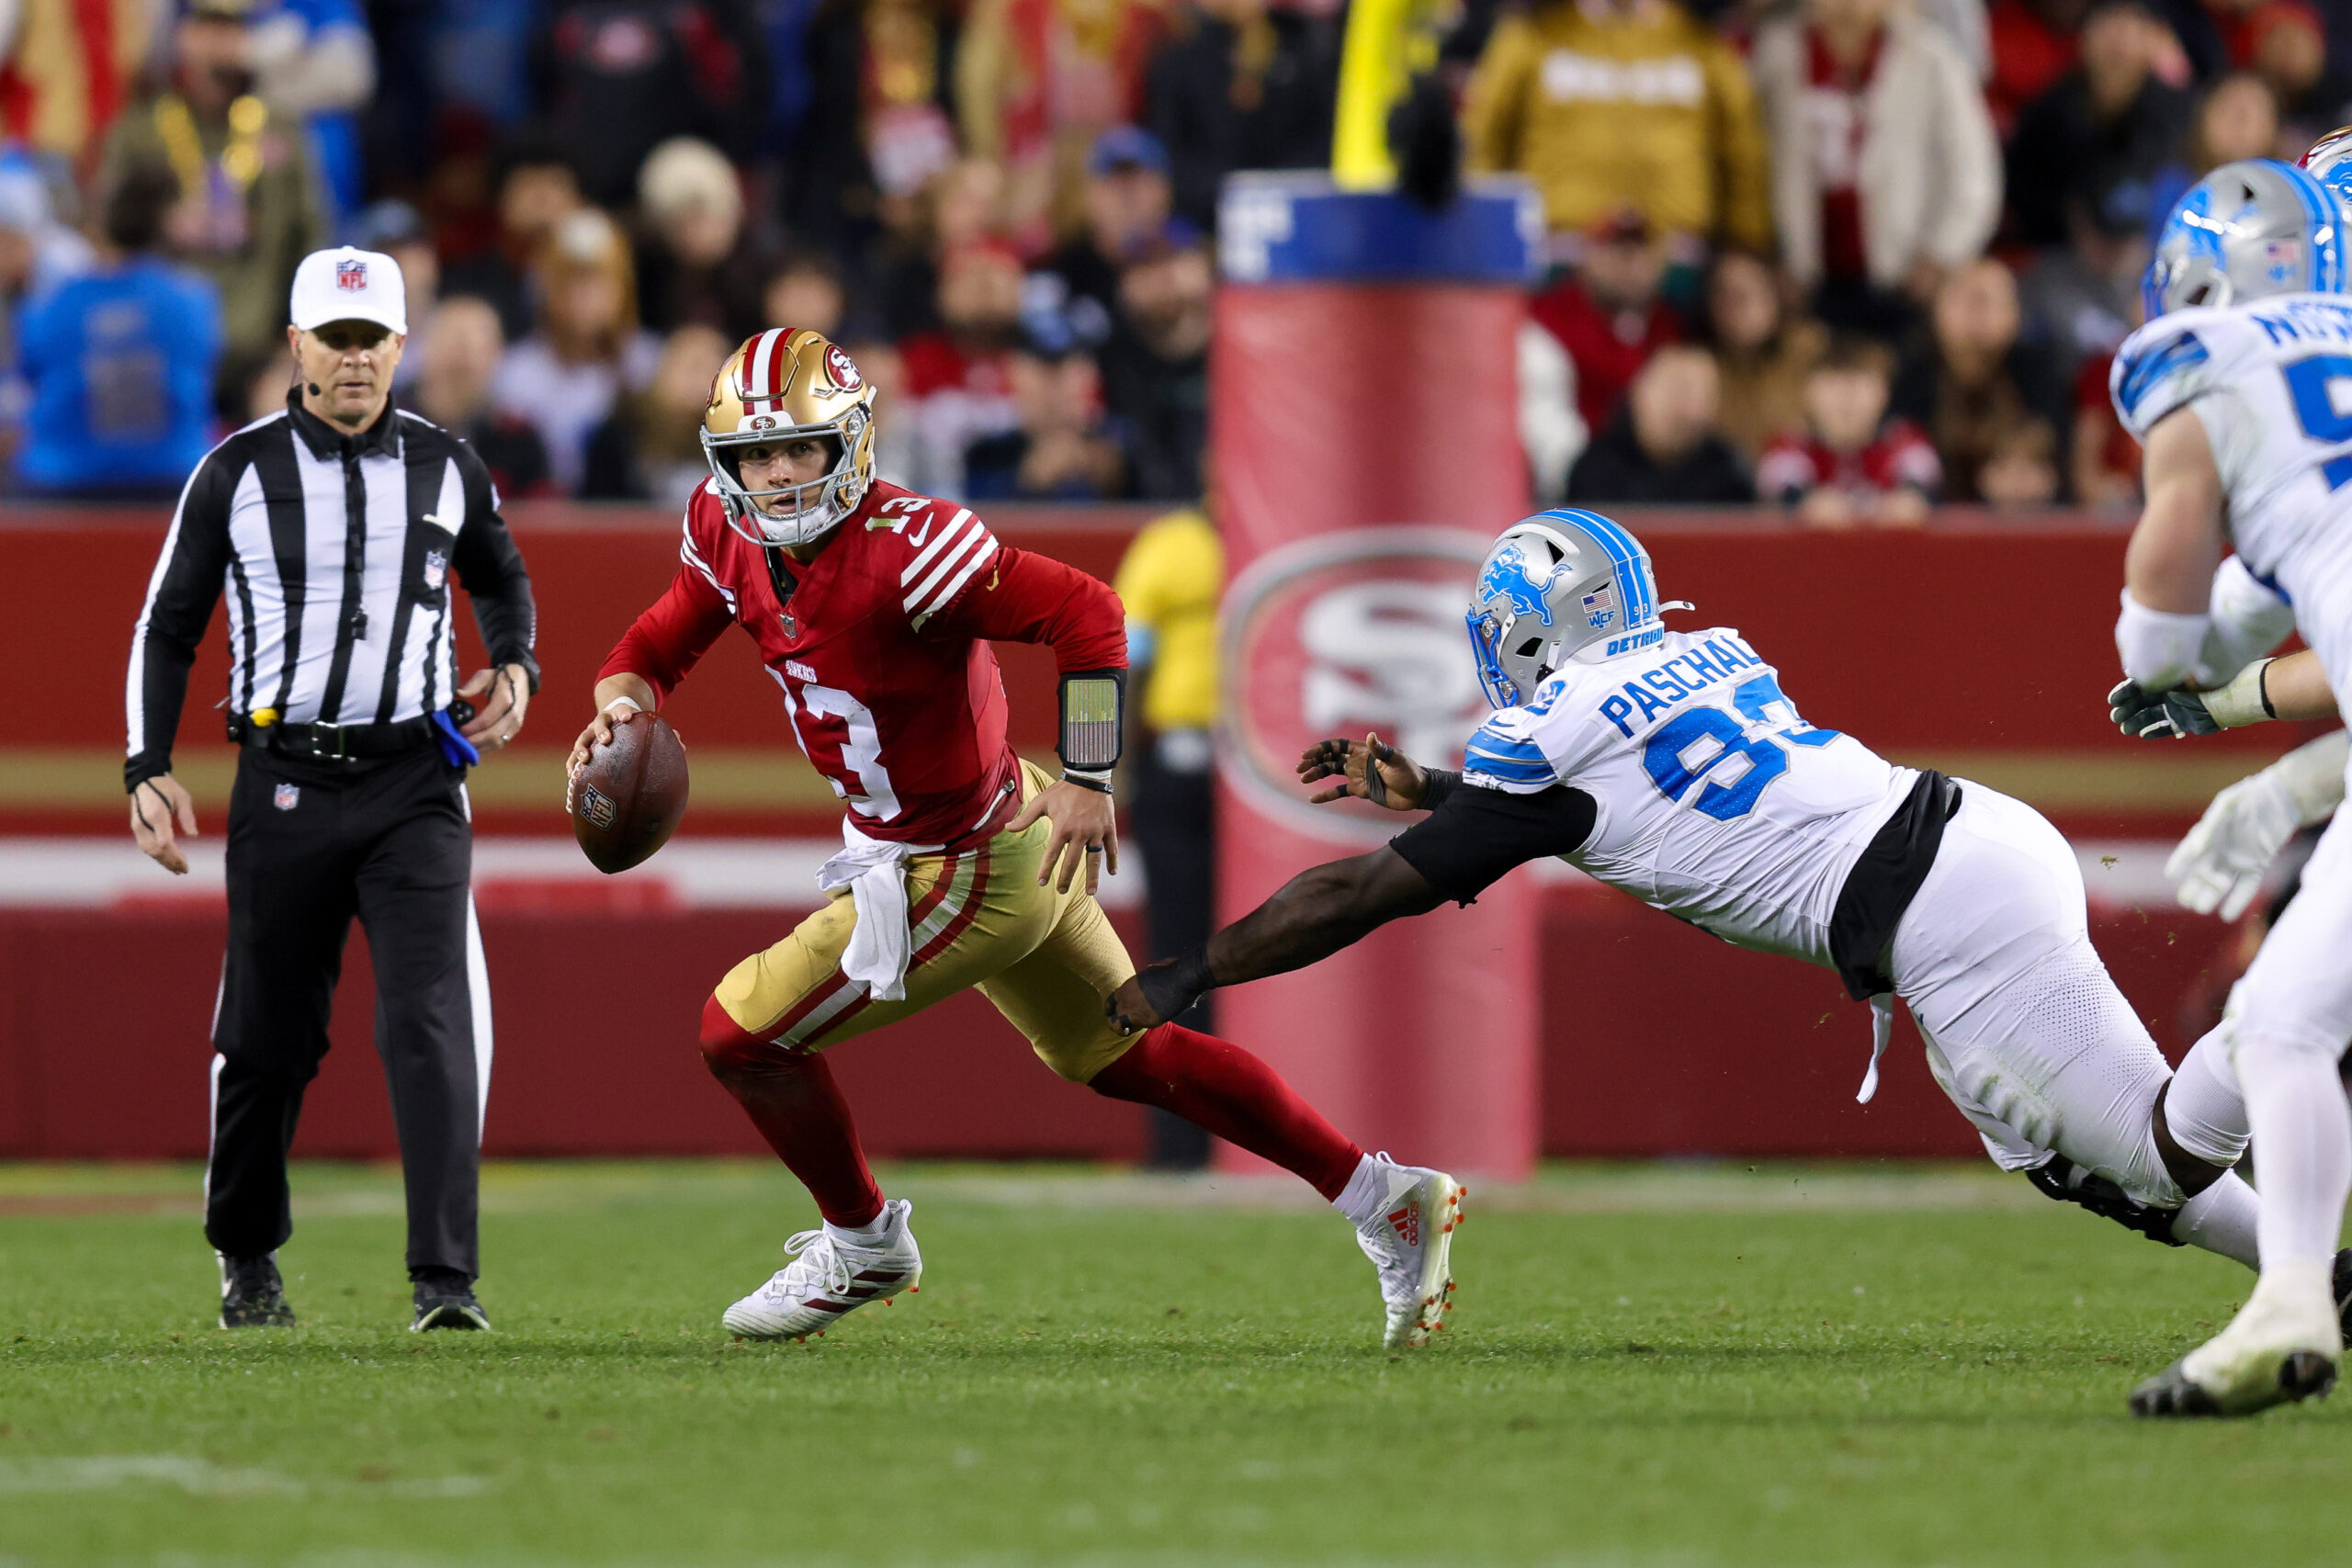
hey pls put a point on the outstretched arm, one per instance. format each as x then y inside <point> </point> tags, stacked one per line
<point>1463,847</point>
<point>1316,914</point>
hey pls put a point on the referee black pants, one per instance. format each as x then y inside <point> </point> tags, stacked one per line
<point>310,845</point>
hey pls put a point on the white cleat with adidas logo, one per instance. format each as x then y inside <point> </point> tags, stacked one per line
<point>1411,1243</point>
<point>828,1280</point>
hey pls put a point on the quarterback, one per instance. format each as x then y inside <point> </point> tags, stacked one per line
<point>2237,387</point>
<point>962,864</point>
<point>1672,766</point>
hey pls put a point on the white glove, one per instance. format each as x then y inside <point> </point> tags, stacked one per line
<point>2219,864</point>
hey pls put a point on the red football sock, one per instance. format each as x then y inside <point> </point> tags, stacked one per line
<point>1215,1084</point>
<point>793,1100</point>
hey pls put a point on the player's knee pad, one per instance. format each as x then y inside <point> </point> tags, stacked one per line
<point>2062,1179</point>
<point>2204,1109</point>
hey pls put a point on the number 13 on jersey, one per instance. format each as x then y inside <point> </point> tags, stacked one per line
<point>836,734</point>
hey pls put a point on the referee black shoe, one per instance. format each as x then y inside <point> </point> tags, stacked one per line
<point>252,1295</point>
<point>448,1302</point>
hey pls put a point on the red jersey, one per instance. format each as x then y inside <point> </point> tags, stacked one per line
<point>881,646</point>
<point>1900,456</point>
<point>1608,347</point>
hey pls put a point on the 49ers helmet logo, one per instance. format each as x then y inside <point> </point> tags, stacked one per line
<point>841,370</point>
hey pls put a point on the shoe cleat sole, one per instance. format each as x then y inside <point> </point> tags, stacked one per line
<point>2305,1374</point>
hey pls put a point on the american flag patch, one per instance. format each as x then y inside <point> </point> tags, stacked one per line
<point>351,276</point>
<point>1599,607</point>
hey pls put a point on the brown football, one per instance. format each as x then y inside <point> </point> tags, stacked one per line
<point>626,800</point>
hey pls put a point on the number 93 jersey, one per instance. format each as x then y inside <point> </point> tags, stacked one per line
<point>1712,800</point>
<point>2271,382</point>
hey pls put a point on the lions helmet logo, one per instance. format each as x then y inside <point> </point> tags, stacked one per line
<point>843,372</point>
<point>351,276</point>
<point>1511,577</point>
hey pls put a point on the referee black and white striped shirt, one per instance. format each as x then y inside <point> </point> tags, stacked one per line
<point>336,554</point>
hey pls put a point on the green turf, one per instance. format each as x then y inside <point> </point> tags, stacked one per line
<point>1661,1367</point>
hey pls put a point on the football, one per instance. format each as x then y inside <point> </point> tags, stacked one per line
<point>626,800</point>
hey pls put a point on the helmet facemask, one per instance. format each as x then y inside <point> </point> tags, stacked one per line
<point>780,387</point>
<point>813,508</point>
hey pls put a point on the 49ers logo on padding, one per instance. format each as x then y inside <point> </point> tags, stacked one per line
<point>1339,634</point>
<point>843,369</point>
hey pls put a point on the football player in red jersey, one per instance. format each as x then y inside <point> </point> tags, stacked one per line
<point>872,608</point>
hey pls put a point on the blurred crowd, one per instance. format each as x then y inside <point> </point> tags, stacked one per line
<point>1849,257</point>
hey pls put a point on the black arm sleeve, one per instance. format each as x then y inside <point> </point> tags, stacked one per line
<point>1476,834</point>
<point>180,597</point>
<point>490,566</point>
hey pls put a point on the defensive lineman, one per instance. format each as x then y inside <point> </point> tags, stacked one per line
<point>873,607</point>
<point>1671,765</point>
<point>2236,386</point>
<point>336,527</point>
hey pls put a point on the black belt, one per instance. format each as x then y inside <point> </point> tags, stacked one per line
<point>1884,881</point>
<point>333,742</point>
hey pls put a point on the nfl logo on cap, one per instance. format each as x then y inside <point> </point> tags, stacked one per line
<point>347,285</point>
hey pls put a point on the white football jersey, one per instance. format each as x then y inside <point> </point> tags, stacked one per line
<point>2271,382</point>
<point>1713,801</point>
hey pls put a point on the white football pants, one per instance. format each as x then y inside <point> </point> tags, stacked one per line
<point>2290,1016</point>
<point>2025,1028</point>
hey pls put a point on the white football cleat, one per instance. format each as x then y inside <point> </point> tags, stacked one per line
<point>828,1280</point>
<point>1411,1243</point>
<point>2282,1345</point>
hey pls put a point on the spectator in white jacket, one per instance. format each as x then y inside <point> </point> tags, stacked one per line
<point>1886,173</point>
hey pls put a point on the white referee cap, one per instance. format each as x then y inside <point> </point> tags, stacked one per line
<point>349,285</point>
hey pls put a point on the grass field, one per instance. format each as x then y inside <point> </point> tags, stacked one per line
<point>1650,1366</point>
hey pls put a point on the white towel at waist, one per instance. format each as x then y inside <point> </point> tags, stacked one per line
<point>875,871</point>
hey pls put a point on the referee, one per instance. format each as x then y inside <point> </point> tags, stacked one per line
<point>333,529</point>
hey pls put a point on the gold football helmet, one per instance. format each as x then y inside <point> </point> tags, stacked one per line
<point>782,384</point>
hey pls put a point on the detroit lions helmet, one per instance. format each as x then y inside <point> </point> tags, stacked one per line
<point>2250,229</point>
<point>1560,586</point>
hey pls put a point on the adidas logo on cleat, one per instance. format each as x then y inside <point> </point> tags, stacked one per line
<point>1407,1221</point>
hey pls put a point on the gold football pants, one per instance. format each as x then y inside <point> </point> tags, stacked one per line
<point>976,917</point>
